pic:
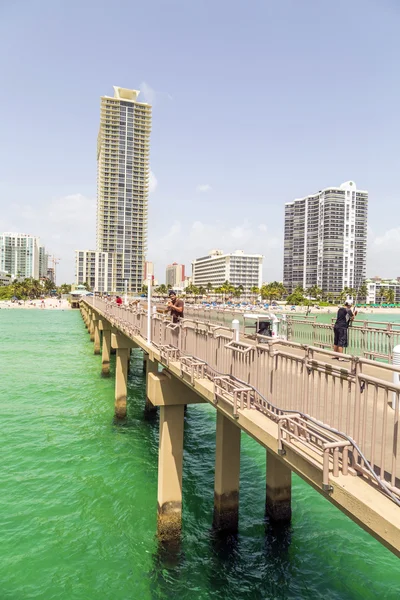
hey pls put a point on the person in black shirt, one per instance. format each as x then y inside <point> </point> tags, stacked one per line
<point>344,317</point>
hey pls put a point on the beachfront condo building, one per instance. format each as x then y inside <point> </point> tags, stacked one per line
<point>123,170</point>
<point>22,256</point>
<point>238,268</point>
<point>378,289</point>
<point>175,275</point>
<point>326,239</point>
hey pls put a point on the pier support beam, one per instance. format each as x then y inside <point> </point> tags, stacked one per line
<point>227,471</point>
<point>170,459</point>
<point>91,326</point>
<point>96,334</point>
<point>171,395</point>
<point>149,366</point>
<point>279,489</point>
<point>123,346</point>
<point>106,348</point>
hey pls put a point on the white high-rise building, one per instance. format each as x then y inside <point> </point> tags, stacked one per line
<point>123,171</point>
<point>22,255</point>
<point>238,268</point>
<point>326,239</point>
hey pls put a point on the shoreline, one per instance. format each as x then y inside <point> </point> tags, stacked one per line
<point>300,310</point>
<point>48,304</point>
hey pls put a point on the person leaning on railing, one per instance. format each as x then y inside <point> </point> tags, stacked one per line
<point>175,307</point>
<point>344,317</point>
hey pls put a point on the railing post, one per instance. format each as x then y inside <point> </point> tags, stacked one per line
<point>396,375</point>
<point>236,330</point>
<point>149,281</point>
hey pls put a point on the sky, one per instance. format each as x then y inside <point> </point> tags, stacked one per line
<point>255,103</point>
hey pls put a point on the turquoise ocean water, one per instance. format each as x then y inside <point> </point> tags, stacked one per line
<point>79,494</point>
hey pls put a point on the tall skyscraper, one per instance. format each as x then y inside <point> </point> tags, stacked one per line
<point>123,184</point>
<point>123,170</point>
<point>22,255</point>
<point>326,239</point>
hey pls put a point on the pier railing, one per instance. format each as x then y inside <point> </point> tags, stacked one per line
<point>346,412</point>
<point>368,339</point>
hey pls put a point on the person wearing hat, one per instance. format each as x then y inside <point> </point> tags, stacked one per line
<point>175,307</point>
<point>344,317</point>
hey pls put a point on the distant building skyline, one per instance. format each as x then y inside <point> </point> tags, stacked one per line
<point>325,239</point>
<point>123,170</point>
<point>175,275</point>
<point>22,255</point>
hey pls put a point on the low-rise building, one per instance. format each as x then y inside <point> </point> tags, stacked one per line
<point>376,284</point>
<point>237,267</point>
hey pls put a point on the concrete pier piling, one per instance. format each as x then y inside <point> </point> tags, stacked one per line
<point>91,326</point>
<point>279,489</point>
<point>96,336</point>
<point>170,395</point>
<point>170,459</point>
<point>227,471</point>
<point>106,348</point>
<point>123,345</point>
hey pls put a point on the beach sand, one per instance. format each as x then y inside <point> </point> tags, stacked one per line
<point>48,304</point>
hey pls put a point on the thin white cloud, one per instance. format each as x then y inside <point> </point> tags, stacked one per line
<point>153,183</point>
<point>64,224</point>
<point>150,95</point>
<point>203,187</point>
<point>383,255</point>
<point>147,93</point>
<point>184,243</point>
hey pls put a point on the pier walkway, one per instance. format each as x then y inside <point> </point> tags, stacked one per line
<point>333,423</point>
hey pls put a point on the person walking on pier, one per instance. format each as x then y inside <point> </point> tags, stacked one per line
<point>344,317</point>
<point>175,307</point>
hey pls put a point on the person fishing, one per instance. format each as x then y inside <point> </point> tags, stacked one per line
<point>345,316</point>
<point>175,307</point>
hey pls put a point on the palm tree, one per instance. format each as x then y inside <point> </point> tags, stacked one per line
<point>330,297</point>
<point>209,287</point>
<point>382,294</point>
<point>161,289</point>
<point>273,291</point>
<point>315,292</point>
<point>256,291</point>
<point>363,291</point>
<point>390,295</point>
<point>344,294</point>
<point>64,288</point>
